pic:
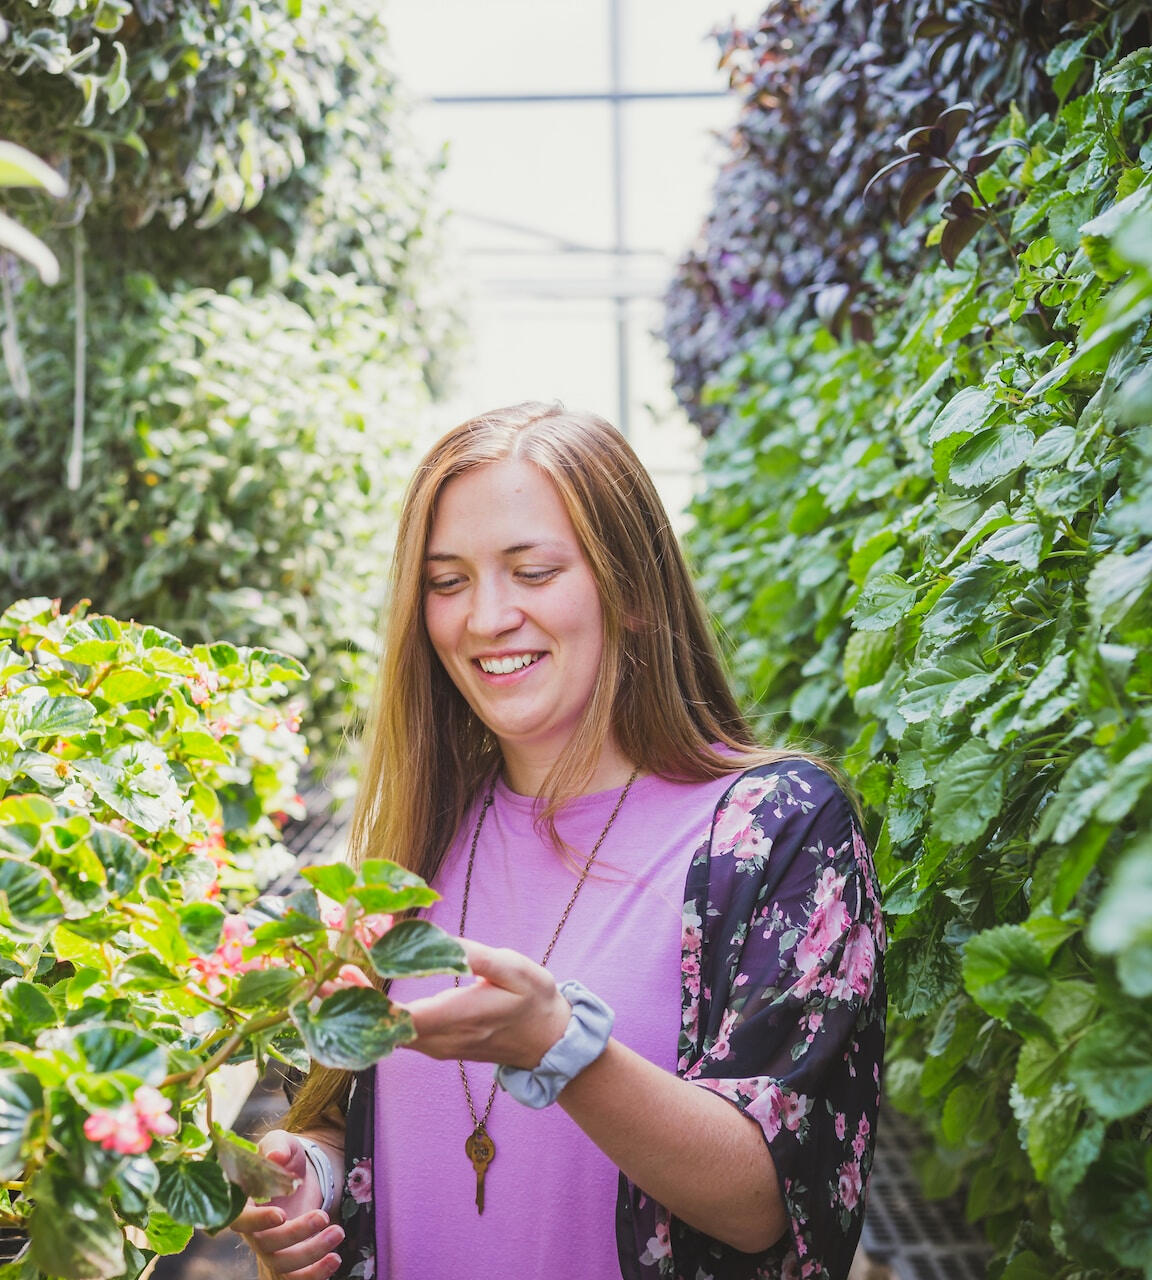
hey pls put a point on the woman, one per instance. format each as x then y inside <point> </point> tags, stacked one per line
<point>555,748</point>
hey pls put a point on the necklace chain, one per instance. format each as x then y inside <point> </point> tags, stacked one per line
<point>482,1121</point>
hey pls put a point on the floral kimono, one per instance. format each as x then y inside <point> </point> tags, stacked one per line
<point>783,1016</point>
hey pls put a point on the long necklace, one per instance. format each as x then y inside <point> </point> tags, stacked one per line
<point>479,1147</point>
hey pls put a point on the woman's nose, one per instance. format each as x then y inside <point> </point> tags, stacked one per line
<point>494,609</point>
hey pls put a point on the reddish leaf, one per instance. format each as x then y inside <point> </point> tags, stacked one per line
<point>861,325</point>
<point>951,121</point>
<point>917,189</point>
<point>984,159</point>
<point>934,24</point>
<point>890,167</point>
<point>960,206</point>
<point>956,235</point>
<point>920,140</point>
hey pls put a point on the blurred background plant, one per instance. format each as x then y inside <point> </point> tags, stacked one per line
<point>248,324</point>
<point>925,526</point>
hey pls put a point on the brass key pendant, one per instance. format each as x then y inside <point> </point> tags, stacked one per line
<point>480,1149</point>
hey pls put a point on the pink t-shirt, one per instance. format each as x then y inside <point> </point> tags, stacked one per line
<point>550,1193</point>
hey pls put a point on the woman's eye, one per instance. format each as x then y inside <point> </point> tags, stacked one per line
<point>444,584</point>
<point>537,575</point>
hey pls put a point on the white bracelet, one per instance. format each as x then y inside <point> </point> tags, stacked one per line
<point>322,1167</point>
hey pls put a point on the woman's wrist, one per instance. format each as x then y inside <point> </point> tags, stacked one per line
<point>585,1035</point>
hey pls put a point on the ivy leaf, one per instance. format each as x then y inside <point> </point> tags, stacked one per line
<point>196,1193</point>
<point>1004,968</point>
<point>1020,544</point>
<point>943,688</point>
<point>416,949</point>
<point>1122,925</point>
<point>884,600</point>
<point>353,1028</point>
<point>1117,583</point>
<point>964,414</point>
<point>1111,1064</point>
<point>990,456</point>
<point>921,974</point>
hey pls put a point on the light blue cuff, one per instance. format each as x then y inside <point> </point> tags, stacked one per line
<point>582,1043</point>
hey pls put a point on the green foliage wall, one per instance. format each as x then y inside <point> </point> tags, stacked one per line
<point>248,325</point>
<point>933,554</point>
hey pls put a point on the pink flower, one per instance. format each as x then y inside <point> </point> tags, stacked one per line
<point>130,1128</point>
<point>359,1181</point>
<point>849,1184</point>
<point>349,975</point>
<point>370,929</point>
<point>790,1267</point>
<point>152,1109</point>
<point>660,1246</point>
<point>119,1130</point>
<point>840,1125</point>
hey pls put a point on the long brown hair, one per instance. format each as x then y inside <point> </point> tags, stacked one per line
<point>661,689</point>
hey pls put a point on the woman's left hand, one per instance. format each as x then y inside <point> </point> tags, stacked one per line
<point>512,1014</point>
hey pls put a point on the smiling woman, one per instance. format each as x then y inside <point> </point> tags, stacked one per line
<point>555,748</point>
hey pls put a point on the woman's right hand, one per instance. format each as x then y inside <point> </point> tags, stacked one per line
<point>290,1234</point>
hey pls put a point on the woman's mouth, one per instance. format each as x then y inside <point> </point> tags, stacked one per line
<point>504,666</point>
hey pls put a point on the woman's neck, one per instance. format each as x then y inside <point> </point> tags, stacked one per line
<point>526,777</point>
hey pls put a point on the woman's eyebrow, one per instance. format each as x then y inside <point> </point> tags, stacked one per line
<point>516,549</point>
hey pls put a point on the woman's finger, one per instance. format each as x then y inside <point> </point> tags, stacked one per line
<point>257,1217</point>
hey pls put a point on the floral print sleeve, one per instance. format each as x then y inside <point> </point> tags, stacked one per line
<point>783,1016</point>
<point>355,1213</point>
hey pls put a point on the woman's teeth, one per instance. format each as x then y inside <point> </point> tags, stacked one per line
<point>505,666</point>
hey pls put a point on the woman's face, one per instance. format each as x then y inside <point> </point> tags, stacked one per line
<point>512,610</point>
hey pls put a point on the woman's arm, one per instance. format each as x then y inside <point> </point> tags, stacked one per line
<point>292,1233</point>
<point>687,1148</point>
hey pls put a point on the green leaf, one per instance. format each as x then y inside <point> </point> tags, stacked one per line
<point>964,414</point>
<point>352,1028</point>
<point>1004,968</point>
<point>29,895</point>
<point>416,949</point>
<point>1020,544</point>
<point>201,924</point>
<point>884,600</point>
<point>110,1046</point>
<point>333,879</point>
<point>166,1237</point>
<point>1111,1065</point>
<point>21,1096</point>
<point>1117,583</point>
<point>203,746</point>
<point>866,658</point>
<point>388,888</point>
<point>20,241</point>
<point>73,1236</point>
<point>945,687</point>
<point>969,788</point>
<point>264,988</point>
<point>921,975</point>
<point>964,600</point>
<point>124,861</point>
<point>990,456</point>
<point>1122,925</point>
<point>129,684</point>
<point>48,717</point>
<point>259,1177</point>
<point>195,1193</point>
